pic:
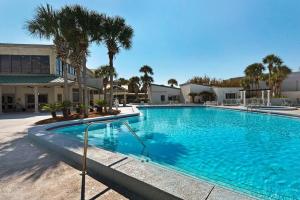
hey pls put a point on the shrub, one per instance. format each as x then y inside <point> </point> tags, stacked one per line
<point>100,104</point>
<point>52,108</point>
<point>65,107</point>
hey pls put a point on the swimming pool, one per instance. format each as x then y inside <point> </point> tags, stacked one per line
<point>250,152</point>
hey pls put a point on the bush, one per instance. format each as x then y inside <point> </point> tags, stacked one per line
<point>100,104</point>
<point>52,108</point>
<point>65,107</point>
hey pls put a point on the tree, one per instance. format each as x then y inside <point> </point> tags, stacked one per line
<point>122,81</point>
<point>115,34</point>
<point>104,73</point>
<point>47,24</point>
<point>255,73</point>
<point>80,24</point>
<point>134,85</point>
<point>146,78</point>
<point>271,61</point>
<point>172,82</point>
<point>278,75</point>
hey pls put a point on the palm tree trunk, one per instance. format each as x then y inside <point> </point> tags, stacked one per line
<point>105,99</point>
<point>78,74</point>
<point>65,71</point>
<point>86,103</point>
<point>111,77</point>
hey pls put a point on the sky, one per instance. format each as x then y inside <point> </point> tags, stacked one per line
<point>182,38</point>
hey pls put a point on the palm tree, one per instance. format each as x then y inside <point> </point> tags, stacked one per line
<point>146,78</point>
<point>278,75</point>
<point>172,82</point>
<point>271,61</point>
<point>122,81</point>
<point>47,24</point>
<point>115,34</point>
<point>255,73</point>
<point>147,70</point>
<point>76,58</point>
<point>80,24</point>
<point>104,73</point>
<point>134,85</point>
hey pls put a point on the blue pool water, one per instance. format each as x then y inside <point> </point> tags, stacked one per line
<point>251,152</point>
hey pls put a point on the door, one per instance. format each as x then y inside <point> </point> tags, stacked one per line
<point>8,103</point>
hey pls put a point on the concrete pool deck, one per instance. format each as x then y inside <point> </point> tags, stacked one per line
<point>147,180</point>
<point>30,172</point>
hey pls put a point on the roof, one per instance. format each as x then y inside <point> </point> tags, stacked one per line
<point>165,86</point>
<point>27,45</point>
<point>33,79</point>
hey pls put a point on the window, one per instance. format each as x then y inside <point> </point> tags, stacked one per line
<point>44,65</point>
<point>76,95</point>
<point>24,64</point>
<point>59,98</point>
<point>230,95</point>
<point>43,98</point>
<point>5,63</point>
<point>16,65</point>
<point>162,98</point>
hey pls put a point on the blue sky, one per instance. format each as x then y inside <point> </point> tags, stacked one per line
<point>183,38</point>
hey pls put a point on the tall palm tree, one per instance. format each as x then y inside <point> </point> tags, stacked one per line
<point>115,34</point>
<point>80,24</point>
<point>104,73</point>
<point>134,85</point>
<point>172,82</point>
<point>146,78</point>
<point>147,70</point>
<point>47,24</point>
<point>278,76</point>
<point>271,61</point>
<point>76,58</point>
<point>255,73</point>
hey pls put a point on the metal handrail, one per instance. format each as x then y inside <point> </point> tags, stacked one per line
<point>133,133</point>
<point>84,157</point>
<point>85,147</point>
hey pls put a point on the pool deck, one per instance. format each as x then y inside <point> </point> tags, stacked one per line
<point>291,113</point>
<point>147,180</point>
<point>30,172</point>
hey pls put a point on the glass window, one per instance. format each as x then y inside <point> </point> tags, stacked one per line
<point>35,63</point>
<point>162,98</point>
<point>26,64</point>
<point>16,66</point>
<point>59,98</point>
<point>76,95</point>
<point>43,98</point>
<point>5,63</point>
<point>44,64</point>
<point>230,95</point>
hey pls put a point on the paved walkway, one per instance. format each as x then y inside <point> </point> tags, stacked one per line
<point>28,172</point>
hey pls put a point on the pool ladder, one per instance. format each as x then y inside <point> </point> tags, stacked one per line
<point>85,147</point>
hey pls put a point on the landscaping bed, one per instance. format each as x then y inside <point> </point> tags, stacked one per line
<point>75,116</point>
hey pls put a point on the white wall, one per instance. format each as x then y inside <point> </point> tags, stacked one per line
<point>221,93</point>
<point>156,91</point>
<point>186,89</point>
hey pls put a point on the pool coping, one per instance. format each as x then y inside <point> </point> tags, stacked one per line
<point>147,180</point>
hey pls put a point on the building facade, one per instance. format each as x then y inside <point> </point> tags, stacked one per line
<point>32,75</point>
<point>161,94</point>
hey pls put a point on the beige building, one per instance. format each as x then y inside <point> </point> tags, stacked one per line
<point>31,75</point>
